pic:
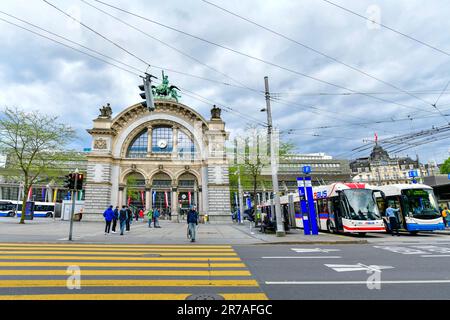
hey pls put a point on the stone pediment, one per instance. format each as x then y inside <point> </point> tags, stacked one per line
<point>136,111</point>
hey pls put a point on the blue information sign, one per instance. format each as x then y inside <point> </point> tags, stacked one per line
<point>306,169</point>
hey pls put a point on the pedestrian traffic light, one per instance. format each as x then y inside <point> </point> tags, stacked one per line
<point>147,92</point>
<point>69,181</point>
<point>80,178</point>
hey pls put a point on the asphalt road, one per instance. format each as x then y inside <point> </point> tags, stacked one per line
<point>417,269</point>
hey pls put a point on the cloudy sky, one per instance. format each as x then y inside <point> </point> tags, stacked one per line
<point>36,73</point>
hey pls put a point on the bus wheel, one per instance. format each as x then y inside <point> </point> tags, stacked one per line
<point>414,232</point>
<point>49,215</point>
<point>329,228</point>
<point>361,234</point>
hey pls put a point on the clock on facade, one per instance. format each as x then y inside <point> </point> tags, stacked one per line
<point>162,144</point>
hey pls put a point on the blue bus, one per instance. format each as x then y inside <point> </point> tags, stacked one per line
<point>7,208</point>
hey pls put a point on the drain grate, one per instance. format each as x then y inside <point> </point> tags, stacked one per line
<point>205,297</point>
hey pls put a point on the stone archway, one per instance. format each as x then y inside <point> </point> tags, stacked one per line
<point>188,192</point>
<point>162,194</point>
<point>134,190</point>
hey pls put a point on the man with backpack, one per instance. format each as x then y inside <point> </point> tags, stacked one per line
<point>115,218</point>
<point>123,217</point>
<point>156,218</point>
<point>109,215</point>
<point>192,220</point>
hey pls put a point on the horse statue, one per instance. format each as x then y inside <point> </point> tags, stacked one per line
<point>164,91</point>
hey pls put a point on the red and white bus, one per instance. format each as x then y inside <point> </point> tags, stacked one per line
<point>341,207</point>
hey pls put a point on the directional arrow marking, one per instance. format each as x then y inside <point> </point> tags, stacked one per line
<point>301,250</point>
<point>356,267</point>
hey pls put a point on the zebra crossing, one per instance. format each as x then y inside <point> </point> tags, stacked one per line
<point>49,271</point>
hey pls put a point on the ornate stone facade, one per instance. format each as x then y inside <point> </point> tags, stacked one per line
<point>169,158</point>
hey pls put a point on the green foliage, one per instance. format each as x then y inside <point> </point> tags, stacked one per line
<point>33,143</point>
<point>445,168</point>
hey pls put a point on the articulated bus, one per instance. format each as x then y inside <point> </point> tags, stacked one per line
<point>418,206</point>
<point>7,208</point>
<point>41,209</point>
<point>341,207</point>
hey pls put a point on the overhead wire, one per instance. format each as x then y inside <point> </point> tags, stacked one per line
<point>250,56</point>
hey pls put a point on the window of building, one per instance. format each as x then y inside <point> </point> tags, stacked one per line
<point>162,140</point>
<point>186,147</point>
<point>138,147</point>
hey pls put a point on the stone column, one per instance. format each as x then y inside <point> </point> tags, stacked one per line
<point>174,204</point>
<point>148,198</point>
<point>175,142</point>
<point>149,140</point>
<point>200,201</point>
<point>120,200</point>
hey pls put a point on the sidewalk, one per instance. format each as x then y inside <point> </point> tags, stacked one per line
<point>43,230</point>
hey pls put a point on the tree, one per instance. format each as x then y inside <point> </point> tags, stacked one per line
<point>445,167</point>
<point>250,171</point>
<point>33,143</point>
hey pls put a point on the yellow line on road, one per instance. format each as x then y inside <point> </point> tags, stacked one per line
<point>107,258</point>
<point>120,264</point>
<point>214,273</point>
<point>130,296</point>
<point>136,246</point>
<point>244,296</point>
<point>146,250</point>
<point>162,254</point>
<point>131,283</point>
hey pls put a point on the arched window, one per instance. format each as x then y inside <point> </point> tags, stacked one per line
<point>138,147</point>
<point>186,147</point>
<point>162,140</point>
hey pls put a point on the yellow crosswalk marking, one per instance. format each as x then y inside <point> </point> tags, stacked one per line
<point>124,249</point>
<point>112,258</point>
<point>120,264</point>
<point>87,245</point>
<point>130,296</point>
<point>169,266</point>
<point>213,273</point>
<point>124,253</point>
<point>131,283</point>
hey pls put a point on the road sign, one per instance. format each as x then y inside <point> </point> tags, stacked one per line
<point>356,267</point>
<point>413,174</point>
<point>449,176</point>
<point>306,169</point>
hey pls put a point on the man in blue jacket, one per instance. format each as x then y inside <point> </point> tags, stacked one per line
<point>123,217</point>
<point>192,220</point>
<point>109,216</point>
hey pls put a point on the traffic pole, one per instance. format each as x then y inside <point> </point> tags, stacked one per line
<point>74,195</point>
<point>273,163</point>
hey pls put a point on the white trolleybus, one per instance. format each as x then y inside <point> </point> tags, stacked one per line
<point>419,210</point>
<point>341,208</point>
<point>41,209</point>
<point>7,208</point>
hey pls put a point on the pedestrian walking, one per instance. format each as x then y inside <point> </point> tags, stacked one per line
<point>141,215</point>
<point>192,220</point>
<point>129,218</point>
<point>123,217</point>
<point>391,213</point>
<point>108,214</point>
<point>115,218</point>
<point>156,215</point>
<point>150,217</point>
<point>446,216</point>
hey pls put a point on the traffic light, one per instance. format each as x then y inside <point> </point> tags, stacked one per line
<point>79,185</point>
<point>147,92</point>
<point>69,181</point>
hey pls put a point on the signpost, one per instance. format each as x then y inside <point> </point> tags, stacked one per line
<point>307,203</point>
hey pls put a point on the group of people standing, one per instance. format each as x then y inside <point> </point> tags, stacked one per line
<point>125,216</point>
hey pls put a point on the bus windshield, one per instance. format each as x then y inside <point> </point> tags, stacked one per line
<point>360,204</point>
<point>421,203</point>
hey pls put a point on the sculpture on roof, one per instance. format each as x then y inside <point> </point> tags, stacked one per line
<point>106,112</point>
<point>165,91</point>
